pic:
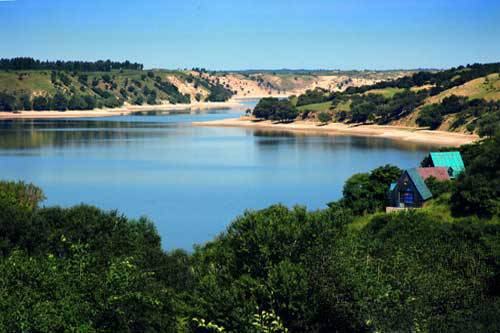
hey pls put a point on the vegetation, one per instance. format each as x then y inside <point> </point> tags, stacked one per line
<point>436,98</point>
<point>324,117</point>
<point>271,108</point>
<point>27,84</point>
<point>347,268</point>
<point>25,63</point>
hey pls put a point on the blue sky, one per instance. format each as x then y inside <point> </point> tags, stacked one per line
<point>242,34</point>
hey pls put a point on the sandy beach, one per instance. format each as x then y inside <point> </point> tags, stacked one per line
<point>127,109</point>
<point>410,134</point>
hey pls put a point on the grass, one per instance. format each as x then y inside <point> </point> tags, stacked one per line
<point>386,92</point>
<point>484,87</point>
<point>36,82</point>
<point>317,107</point>
<point>344,106</point>
<point>437,207</point>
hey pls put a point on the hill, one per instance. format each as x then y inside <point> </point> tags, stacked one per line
<point>463,99</point>
<point>62,89</point>
<point>27,84</point>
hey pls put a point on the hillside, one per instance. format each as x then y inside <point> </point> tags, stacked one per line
<point>462,99</point>
<point>61,90</point>
<point>250,84</point>
<point>29,84</point>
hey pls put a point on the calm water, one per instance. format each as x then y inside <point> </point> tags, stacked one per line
<point>191,181</point>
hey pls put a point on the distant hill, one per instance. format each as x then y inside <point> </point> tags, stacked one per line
<point>26,84</point>
<point>463,99</point>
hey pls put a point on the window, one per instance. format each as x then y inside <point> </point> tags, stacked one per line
<point>408,197</point>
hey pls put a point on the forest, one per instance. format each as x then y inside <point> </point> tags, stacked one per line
<point>349,267</point>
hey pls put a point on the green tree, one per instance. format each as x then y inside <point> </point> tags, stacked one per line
<point>7,102</point>
<point>324,117</point>
<point>77,103</point>
<point>40,103</point>
<point>59,102</point>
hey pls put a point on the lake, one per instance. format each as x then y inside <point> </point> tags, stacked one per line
<point>191,181</point>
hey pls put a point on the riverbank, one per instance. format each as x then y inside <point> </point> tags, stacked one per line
<point>410,134</point>
<point>128,109</point>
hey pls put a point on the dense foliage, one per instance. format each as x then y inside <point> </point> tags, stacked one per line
<point>26,63</point>
<point>271,108</point>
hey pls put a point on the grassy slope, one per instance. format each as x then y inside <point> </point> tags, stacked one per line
<point>437,207</point>
<point>484,87</point>
<point>39,83</point>
<point>386,92</point>
<point>316,106</point>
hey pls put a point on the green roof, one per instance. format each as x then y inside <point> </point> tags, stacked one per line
<point>419,183</point>
<point>449,159</point>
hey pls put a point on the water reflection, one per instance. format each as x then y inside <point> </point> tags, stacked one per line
<point>274,137</point>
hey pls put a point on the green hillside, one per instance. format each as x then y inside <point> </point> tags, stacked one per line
<point>464,99</point>
<point>62,89</point>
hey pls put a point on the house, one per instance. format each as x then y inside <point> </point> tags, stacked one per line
<point>410,191</point>
<point>449,159</point>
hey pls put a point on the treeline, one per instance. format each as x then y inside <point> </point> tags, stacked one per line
<point>270,108</point>
<point>27,63</point>
<point>440,80</point>
<point>59,102</point>
<point>340,269</point>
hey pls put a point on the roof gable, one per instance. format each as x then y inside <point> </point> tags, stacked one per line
<point>448,159</point>
<point>419,183</point>
<point>440,173</point>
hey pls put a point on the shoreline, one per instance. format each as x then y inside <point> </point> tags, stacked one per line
<point>409,134</point>
<point>121,111</point>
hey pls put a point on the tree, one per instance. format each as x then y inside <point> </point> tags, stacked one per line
<point>477,190</point>
<point>25,102</point>
<point>368,192</point>
<point>430,116</point>
<point>151,99</point>
<point>90,102</point>
<point>7,102</point>
<point>77,103</point>
<point>361,112</point>
<point>40,103</point>
<point>139,100</point>
<point>59,102</point>
<point>324,117</point>
<point>275,109</point>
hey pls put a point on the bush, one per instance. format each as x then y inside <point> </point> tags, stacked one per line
<point>324,117</point>
<point>430,116</point>
<point>7,102</point>
<point>40,103</point>
<point>275,109</point>
<point>59,102</point>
